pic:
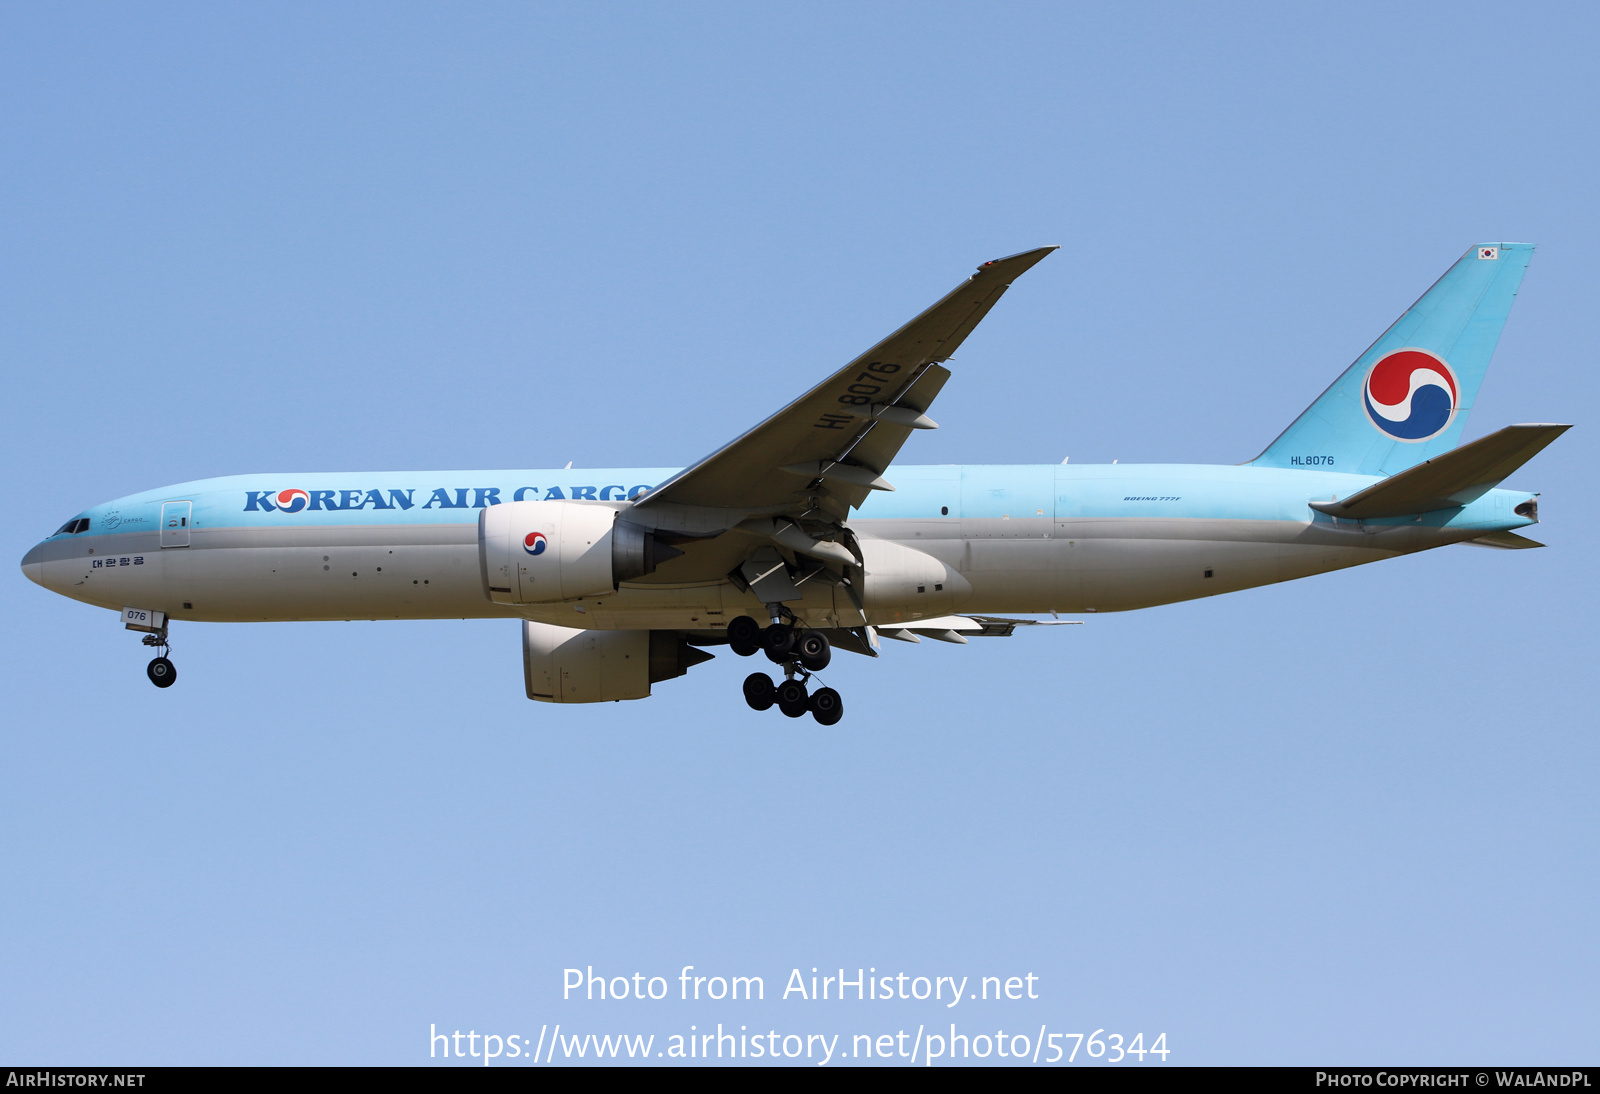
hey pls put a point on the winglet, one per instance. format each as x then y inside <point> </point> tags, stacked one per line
<point>1013,266</point>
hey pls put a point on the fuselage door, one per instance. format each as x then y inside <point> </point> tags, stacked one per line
<point>175,517</point>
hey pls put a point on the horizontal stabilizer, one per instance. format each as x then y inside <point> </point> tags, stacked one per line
<point>1458,477</point>
<point>1505,541</point>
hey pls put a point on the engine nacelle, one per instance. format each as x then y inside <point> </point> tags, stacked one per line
<point>565,665</point>
<point>539,552</point>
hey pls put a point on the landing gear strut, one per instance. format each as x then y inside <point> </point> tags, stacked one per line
<point>801,653</point>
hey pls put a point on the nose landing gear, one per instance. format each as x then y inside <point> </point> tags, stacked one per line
<point>161,671</point>
<point>801,653</point>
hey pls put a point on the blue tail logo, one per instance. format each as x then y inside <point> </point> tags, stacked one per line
<point>1407,398</point>
<point>1411,395</point>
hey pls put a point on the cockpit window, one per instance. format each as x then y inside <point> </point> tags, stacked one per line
<point>73,527</point>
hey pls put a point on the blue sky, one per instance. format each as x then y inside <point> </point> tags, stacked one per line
<point>1346,820</point>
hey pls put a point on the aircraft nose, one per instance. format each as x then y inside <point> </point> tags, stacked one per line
<point>33,564</point>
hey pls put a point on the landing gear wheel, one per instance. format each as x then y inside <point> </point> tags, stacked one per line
<point>778,641</point>
<point>826,706</point>
<point>815,651</point>
<point>744,635</point>
<point>792,698</point>
<point>759,691</point>
<point>161,673</point>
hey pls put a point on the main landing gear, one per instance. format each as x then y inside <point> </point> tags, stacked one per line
<point>801,653</point>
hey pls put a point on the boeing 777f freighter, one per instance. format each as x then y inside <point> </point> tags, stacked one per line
<point>790,541</point>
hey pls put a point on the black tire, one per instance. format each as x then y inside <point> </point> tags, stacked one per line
<point>759,691</point>
<point>792,698</point>
<point>161,672</point>
<point>778,641</point>
<point>815,650</point>
<point>826,706</point>
<point>744,635</point>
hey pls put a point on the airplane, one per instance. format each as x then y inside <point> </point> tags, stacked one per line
<point>792,541</point>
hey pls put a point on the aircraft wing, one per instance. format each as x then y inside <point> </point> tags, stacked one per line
<point>824,453</point>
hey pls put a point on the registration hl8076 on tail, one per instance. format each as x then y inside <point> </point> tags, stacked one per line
<point>798,539</point>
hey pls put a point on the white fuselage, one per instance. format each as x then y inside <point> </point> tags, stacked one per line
<point>977,539</point>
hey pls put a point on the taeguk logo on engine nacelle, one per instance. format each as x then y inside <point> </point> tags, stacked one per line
<point>533,543</point>
<point>1411,395</point>
<point>291,501</point>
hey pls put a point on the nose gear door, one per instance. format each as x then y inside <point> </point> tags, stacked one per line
<point>175,517</point>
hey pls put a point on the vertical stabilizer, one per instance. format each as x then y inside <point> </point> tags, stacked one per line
<point>1407,398</point>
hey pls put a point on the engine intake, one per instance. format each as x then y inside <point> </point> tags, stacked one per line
<point>539,552</point>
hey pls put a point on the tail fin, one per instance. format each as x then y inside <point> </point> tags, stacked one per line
<point>1407,398</point>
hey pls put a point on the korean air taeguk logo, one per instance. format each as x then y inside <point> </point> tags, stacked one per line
<point>1411,395</point>
<point>291,501</point>
<point>533,543</point>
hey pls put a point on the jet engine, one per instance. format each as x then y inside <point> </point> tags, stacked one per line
<point>537,552</point>
<point>565,665</point>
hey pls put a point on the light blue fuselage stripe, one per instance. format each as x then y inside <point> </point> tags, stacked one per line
<point>1064,492</point>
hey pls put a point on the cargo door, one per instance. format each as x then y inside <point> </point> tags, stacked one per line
<point>175,518</point>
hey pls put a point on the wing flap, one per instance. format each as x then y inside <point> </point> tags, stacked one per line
<point>950,628</point>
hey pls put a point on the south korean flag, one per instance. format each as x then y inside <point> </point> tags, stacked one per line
<point>1490,253</point>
